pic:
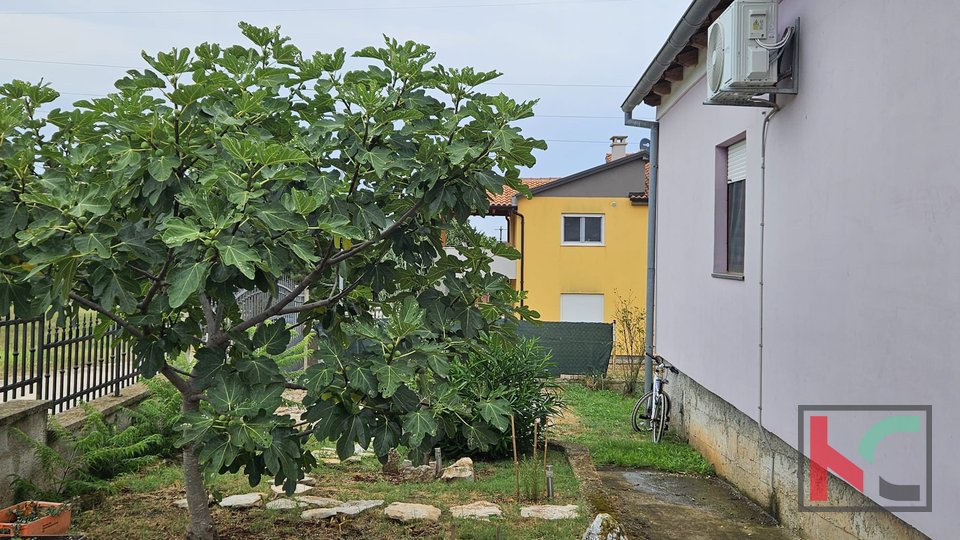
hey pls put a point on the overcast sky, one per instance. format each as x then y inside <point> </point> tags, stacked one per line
<point>580,57</point>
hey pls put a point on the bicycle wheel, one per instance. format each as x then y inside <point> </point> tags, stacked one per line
<point>659,424</point>
<point>641,412</point>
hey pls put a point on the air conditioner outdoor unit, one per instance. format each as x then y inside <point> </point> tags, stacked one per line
<point>738,65</point>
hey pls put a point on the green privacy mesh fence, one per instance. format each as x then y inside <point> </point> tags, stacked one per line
<point>578,348</point>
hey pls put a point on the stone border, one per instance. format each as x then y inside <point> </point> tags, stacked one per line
<point>585,472</point>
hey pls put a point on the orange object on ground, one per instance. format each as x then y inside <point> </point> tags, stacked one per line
<point>55,519</point>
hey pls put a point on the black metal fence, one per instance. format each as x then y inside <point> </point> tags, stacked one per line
<point>253,302</point>
<point>578,348</point>
<point>65,364</point>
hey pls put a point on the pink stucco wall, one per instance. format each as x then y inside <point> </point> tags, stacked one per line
<point>862,262</point>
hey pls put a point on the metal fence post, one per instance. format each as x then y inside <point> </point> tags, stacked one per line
<point>40,357</point>
<point>118,362</point>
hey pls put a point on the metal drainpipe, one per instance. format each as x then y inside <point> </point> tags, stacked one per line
<point>649,336</point>
<point>523,246</point>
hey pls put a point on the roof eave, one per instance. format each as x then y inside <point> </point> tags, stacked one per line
<point>642,156</point>
<point>688,25</point>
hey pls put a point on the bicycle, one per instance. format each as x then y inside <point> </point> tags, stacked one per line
<point>652,411</point>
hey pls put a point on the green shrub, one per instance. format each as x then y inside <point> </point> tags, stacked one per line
<point>515,372</point>
<point>86,459</point>
<point>160,415</point>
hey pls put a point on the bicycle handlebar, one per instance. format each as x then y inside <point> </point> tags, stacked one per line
<point>659,360</point>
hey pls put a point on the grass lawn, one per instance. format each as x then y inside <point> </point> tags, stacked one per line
<point>600,420</point>
<point>143,507</point>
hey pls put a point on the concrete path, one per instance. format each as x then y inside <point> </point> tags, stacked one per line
<point>654,505</point>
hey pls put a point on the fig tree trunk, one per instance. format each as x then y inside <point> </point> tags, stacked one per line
<point>201,525</point>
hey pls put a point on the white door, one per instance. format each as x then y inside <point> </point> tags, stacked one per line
<point>581,307</point>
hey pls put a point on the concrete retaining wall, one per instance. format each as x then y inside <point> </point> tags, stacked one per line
<point>30,416</point>
<point>764,468</point>
<point>16,458</point>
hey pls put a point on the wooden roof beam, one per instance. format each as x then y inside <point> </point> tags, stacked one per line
<point>674,74</point>
<point>662,87</point>
<point>699,40</point>
<point>689,57</point>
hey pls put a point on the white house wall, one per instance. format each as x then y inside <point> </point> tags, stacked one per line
<point>862,262</point>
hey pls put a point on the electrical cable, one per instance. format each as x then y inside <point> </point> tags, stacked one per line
<point>787,34</point>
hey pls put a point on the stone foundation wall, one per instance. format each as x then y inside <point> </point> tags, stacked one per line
<point>764,468</point>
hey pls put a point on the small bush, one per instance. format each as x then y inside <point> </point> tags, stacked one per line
<point>160,415</point>
<point>97,452</point>
<point>515,372</point>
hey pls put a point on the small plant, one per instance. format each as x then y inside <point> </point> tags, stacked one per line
<point>88,458</point>
<point>630,329</point>
<point>31,511</point>
<point>595,380</point>
<point>160,415</point>
<point>530,472</point>
<point>513,374</point>
<point>294,360</point>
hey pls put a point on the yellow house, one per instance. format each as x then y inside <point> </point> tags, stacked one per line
<point>583,238</point>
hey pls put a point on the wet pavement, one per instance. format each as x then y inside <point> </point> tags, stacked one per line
<point>655,505</point>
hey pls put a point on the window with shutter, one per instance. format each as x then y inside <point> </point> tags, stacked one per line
<point>736,187</point>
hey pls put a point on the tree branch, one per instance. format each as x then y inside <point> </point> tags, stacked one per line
<point>180,371</point>
<point>144,273</point>
<point>326,301</point>
<point>182,385</point>
<point>400,222</point>
<point>90,304</point>
<point>330,260</point>
<point>213,322</point>
<point>157,283</point>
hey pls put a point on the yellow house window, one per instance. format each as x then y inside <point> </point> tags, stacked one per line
<point>582,230</point>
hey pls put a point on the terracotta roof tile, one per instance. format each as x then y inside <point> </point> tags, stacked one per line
<point>505,199</point>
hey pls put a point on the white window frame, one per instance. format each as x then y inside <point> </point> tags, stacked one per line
<point>603,229</point>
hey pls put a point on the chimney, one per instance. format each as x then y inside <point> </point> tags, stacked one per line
<point>618,147</point>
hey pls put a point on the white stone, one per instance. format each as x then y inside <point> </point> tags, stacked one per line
<point>482,510</point>
<point>330,461</point>
<point>285,504</point>
<point>462,469</point>
<point>353,459</point>
<point>318,513</point>
<point>182,503</point>
<point>309,481</point>
<point>301,488</point>
<point>405,512</point>
<point>349,508</point>
<point>320,502</point>
<point>247,500</point>
<point>604,527</point>
<point>549,511</point>
<point>352,508</point>
<point>325,452</point>
<point>423,473</point>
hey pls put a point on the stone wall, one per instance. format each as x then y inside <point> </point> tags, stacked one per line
<point>16,458</point>
<point>764,468</point>
<point>30,416</point>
